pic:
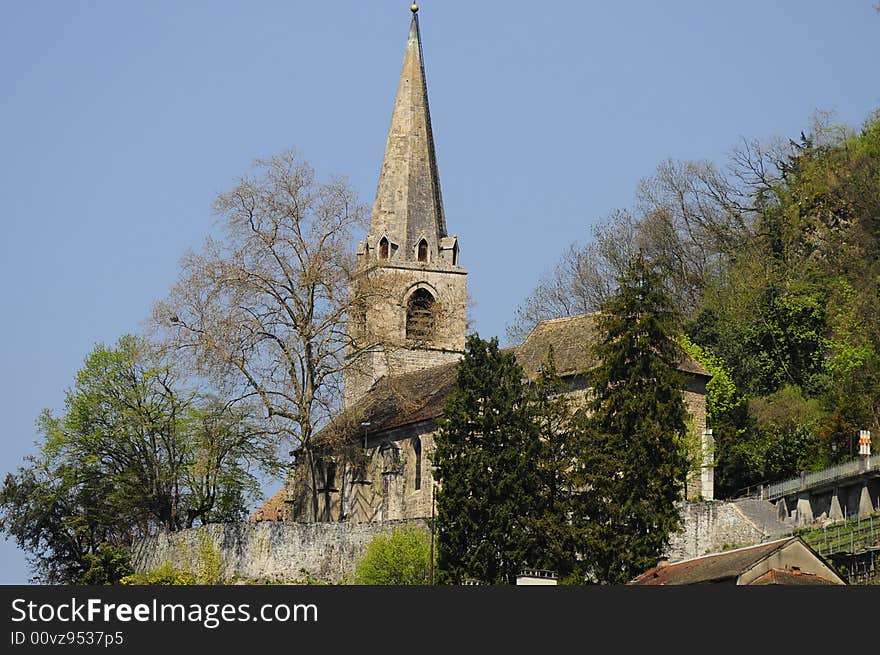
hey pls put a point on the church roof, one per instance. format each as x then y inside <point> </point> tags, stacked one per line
<point>408,204</point>
<point>568,337</point>
<point>396,401</point>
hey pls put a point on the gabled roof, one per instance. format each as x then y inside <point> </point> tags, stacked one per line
<point>726,566</point>
<point>568,337</point>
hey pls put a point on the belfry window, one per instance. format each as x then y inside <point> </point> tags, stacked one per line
<point>383,248</point>
<point>420,315</point>
<point>422,251</point>
<point>455,254</point>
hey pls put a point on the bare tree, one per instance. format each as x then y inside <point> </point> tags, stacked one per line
<point>581,280</point>
<point>262,311</point>
<point>689,219</point>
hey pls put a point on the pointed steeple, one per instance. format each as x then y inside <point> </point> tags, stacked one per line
<point>408,207</point>
<point>414,287</point>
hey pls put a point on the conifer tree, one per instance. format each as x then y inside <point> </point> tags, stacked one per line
<point>484,458</point>
<point>551,412</point>
<point>633,466</point>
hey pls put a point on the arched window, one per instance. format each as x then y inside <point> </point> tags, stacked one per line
<point>423,251</point>
<point>383,248</point>
<point>420,315</point>
<point>455,254</point>
<point>417,451</point>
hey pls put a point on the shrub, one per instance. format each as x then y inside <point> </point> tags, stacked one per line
<point>165,575</point>
<point>401,557</point>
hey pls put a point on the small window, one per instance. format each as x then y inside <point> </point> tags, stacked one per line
<point>417,451</point>
<point>455,254</point>
<point>423,251</point>
<point>383,248</point>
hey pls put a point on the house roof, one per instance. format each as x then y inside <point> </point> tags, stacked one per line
<point>272,509</point>
<point>726,566</point>
<point>789,577</point>
<point>568,336</point>
<point>708,568</point>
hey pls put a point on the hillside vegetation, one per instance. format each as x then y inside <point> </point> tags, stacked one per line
<point>774,262</point>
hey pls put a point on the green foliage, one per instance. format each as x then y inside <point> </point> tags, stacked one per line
<point>796,315</point>
<point>722,398</point>
<point>106,567</point>
<point>402,557</point>
<point>556,458</point>
<point>133,450</point>
<point>165,575</point>
<point>634,467</point>
<point>207,560</point>
<point>727,416</point>
<point>786,426</point>
<point>486,447</point>
<point>53,509</point>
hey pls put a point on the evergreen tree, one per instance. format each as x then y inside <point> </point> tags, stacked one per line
<point>485,452</point>
<point>632,465</point>
<point>551,413</point>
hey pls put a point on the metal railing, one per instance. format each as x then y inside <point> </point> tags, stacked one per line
<point>804,481</point>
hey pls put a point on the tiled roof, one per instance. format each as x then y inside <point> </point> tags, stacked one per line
<point>568,336</point>
<point>396,401</point>
<point>400,400</point>
<point>709,568</point>
<point>272,509</point>
<point>790,577</point>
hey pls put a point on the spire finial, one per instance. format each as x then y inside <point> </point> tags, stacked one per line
<point>414,8</point>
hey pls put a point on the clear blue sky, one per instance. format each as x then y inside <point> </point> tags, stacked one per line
<point>120,121</point>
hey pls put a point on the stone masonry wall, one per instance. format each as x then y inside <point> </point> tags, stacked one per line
<point>266,552</point>
<point>301,553</point>
<point>711,526</point>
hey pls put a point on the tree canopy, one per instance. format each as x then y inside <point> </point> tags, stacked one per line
<point>632,440</point>
<point>485,449</point>
<point>134,450</point>
<point>773,261</point>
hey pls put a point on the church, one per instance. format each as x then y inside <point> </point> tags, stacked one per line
<point>376,465</point>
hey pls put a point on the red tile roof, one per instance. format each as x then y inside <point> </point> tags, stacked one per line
<point>717,567</point>
<point>272,509</point>
<point>790,577</point>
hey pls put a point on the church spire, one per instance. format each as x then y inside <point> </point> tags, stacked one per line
<point>408,209</point>
<point>414,289</point>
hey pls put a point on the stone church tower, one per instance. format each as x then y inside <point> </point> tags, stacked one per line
<point>412,292</point>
